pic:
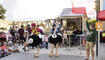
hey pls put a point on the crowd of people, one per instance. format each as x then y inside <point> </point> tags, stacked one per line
<point>30,36</point>
<point>33,35</point>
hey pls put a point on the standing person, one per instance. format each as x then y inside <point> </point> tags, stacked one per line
<point>91,38</point>
<point>17,35</point>
<point>36,41</point>
<point>42,27</point>
<point>76,37</point>
<point>13,33</point>
<point>54,38</point>
<point>38,29</point>
<point>21,35</point>
<point>103,37</point>
<point>28,29</point>
<point>16,30</point>
<point>46,41</point>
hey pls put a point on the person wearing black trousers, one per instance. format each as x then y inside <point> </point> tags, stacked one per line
<point>21,35</point>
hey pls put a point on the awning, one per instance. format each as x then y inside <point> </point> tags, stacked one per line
<point>68,12</point>
<point>101,15</point>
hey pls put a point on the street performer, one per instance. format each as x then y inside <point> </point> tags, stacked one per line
<point>54,38</point>
<point>34,39</point>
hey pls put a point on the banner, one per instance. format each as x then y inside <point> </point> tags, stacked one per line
<point>101,15</point>
<point>79,10</point>
<point>99,26</point>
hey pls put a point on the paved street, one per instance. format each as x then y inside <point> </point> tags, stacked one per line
<point>30,56</point>
<point>101,52</point>
<point>64,53</point>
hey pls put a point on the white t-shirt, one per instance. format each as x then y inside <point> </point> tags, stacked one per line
<point>43,37</point>
<point>10,42</point>
<point>41,28</point>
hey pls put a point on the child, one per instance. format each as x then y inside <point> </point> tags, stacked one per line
<point>65,37</point>
<point>9,43</point>
<point>9,39</point>
<point>15,48</point>
<point>4,50</point>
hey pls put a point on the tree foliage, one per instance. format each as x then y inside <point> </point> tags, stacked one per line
<point>2,12</point>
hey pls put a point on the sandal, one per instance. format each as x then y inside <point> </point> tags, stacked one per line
<point>56,55</point>
<point>51,54</point>
<point>86,59</point>
<point>36,56</point>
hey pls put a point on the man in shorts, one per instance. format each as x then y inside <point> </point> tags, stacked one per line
<point>91,38</point>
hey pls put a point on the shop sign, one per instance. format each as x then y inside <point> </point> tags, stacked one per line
<point>99,26</point>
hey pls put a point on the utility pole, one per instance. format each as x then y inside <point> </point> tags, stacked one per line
<point>98,39</point>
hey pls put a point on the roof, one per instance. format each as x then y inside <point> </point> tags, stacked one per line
<point>68,12</point>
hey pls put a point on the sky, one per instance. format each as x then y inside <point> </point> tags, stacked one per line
<point>103,4</point>
<point>41,9</point>
<point>34,9</point>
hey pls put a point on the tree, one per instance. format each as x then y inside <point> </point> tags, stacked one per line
<point>2,12</point>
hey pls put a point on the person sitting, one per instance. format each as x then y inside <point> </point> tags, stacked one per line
<point>15,48</point>
<point>2,37</point>
<point>4,50</point>
<point>65,39</point>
